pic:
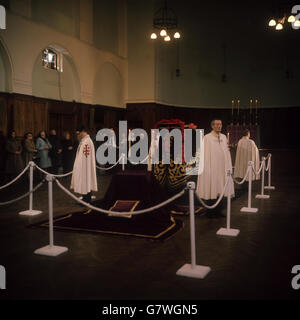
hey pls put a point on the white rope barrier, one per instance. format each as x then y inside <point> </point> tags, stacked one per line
<point>262,195</point>
<point>16,178</point>
<point>269,186</point>
<point>218,201</point>
<point>269,162</point>
<point>228,231</point>
<point>51,249</point>
<point>118,213</point>
<point>30,211</point>
<point>23,196</point>
<point>260,169</point>
<point>109,168</point>
<point>140,162</point>
<point>249,208</point>
<point>192,270</point>
<point>245,177</point>
<point>54,175</point>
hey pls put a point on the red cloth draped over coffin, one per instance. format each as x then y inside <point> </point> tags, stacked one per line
<point>172,176</point>
<point>172,124</point>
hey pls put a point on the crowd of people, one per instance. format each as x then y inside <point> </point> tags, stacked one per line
<point>49,152</point>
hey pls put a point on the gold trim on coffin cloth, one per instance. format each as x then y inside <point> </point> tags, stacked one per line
<point>171,175</point>
<point>134,204</point>
<point>46,224</point>
<point>187,212</point>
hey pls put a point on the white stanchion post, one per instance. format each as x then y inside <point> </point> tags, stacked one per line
<point>248,208</point>
<point>192,270</point>
<point>30,211</point>
<point>262,195</point>
<point>228,231</point>
<point>123,161</point>
<point>51,249</point>
<point>269,186</point>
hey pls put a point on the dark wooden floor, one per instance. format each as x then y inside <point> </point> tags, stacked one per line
<point>255,265</point>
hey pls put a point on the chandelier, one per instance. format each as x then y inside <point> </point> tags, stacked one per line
<point>289,18</point>
<point>165,23</point>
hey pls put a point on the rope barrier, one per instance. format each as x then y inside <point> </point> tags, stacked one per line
<point>241,182</point>
<point>259,170</point>
<point>141,162</point>
<point>269,162</point>
<point>269,187</point>
<point>118,213</point>
<point>15,179</point>
<point>218,201</point>
<point>54,175</point>
<point>23,196</point>
<point>100,168</point>
<point>262,195</point>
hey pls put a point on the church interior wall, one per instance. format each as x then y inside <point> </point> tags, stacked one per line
<point>97,76</point>
<point>84,57</point>
<point>257,62</point>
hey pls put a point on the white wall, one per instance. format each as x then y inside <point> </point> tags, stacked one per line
<point>257,57</point>
<point>108,86</point>
<point>24,40</point>
<point>141,59</point>
<point>56,85</point>
<point>5,70</point>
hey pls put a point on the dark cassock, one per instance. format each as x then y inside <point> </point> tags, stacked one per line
<point>14,161</point>
<point>68,155</point>
<point>29,151</point>
<point>55,153</point>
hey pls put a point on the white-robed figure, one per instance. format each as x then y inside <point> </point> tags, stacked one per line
<point>246,151</point>
<point>217,160</point>
<point>84,179</point>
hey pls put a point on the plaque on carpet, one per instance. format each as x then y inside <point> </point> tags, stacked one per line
<point>124,206</point>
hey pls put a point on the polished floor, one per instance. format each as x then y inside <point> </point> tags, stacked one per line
<point>256,264</point>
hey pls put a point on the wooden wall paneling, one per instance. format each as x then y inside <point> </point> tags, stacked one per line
<point>41,117</point>
<point>3,115</point>
<point>22,116</point>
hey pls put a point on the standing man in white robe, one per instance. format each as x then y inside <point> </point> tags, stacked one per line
<point>217,160</point>
<point>84,179</point>
<point>246,151</point>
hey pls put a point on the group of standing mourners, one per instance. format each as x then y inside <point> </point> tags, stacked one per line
<point>49,153</point>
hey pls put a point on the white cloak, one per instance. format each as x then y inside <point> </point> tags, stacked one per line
<point>217,160</point>
<point>246,151</point>
<point>84,179</point>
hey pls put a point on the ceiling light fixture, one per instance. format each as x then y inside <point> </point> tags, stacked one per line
<point>165,22</point>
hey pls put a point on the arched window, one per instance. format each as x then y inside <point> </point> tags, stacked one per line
<point>52,60</point>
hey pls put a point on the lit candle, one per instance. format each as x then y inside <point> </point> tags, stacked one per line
<point>228,138</point>
<point>238,107</point>
<point>232,104</point>
<point>250,106</point>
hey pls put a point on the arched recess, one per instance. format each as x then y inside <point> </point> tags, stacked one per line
<point>5,70</point>
<point>52,84</point>
<point>5,86</point>
<point>108,86</point>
